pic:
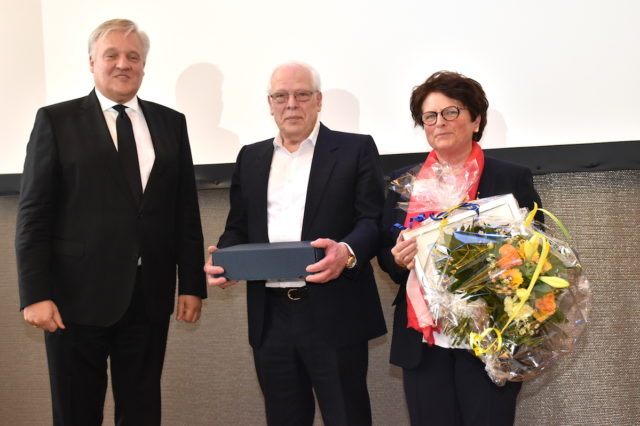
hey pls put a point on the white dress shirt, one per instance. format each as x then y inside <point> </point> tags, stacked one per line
<point>287,193</point>
<point>144,145</point>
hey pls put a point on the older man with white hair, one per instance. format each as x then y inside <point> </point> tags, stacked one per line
<point>310,183</point>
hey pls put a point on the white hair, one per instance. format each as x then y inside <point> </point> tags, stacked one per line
<point>315,76</point>
<point>124,25</point>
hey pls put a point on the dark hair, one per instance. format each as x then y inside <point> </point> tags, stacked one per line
<point>455,86</point>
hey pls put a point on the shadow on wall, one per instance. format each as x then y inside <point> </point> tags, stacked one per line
<point>340,110</point>
<point>495,134</point>
<point>199,97</point>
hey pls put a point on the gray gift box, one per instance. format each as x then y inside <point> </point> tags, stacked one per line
<point>267,261</point>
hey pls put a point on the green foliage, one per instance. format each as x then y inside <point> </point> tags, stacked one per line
<point>480,270</point>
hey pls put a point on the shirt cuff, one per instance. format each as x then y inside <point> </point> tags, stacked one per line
<point>352,254</point>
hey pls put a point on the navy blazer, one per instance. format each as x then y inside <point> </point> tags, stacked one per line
<point>79,230</point>
<point>344,199</point>
<point>498,178</point>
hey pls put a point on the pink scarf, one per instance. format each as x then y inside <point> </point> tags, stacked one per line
<point>418,314</point>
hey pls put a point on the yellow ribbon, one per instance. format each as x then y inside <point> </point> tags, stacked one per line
<point>475,339</point>
<point>533,212</point>
<point>534,278</point>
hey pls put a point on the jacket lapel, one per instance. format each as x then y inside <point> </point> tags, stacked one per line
<point>158,132</point>
<point>487,180</point>
<point>324,159</point>
<point>98,135</point>
<point>259,183</point>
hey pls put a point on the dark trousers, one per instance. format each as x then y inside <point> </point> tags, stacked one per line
<point>77,358</point>
<point>450,388</point>
<point>292,362</point>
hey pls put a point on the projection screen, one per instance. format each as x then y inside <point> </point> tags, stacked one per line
<point>555,72</point>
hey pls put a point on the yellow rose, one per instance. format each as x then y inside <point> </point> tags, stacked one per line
<point>510,304</point>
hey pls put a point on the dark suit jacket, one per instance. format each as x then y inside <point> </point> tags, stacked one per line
<point>79,231</point>
<point>498,178</point>
<point>344,200</point>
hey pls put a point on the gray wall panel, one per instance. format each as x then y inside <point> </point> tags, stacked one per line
<point>209,377</point>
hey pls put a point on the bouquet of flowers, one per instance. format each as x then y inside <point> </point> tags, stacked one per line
<point>494,281</point>
<point>508,289</point>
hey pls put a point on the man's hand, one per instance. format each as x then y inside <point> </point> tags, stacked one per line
<point>331,266</point>
<point>404,252</point>
<point>210,269</point>
<point>44,315</point>
<point>189,307</point>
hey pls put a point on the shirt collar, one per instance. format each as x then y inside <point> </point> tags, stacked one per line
<point>107,104</point>
<point>311,139</point>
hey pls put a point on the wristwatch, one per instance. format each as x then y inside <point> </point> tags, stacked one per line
<point>351,260</point>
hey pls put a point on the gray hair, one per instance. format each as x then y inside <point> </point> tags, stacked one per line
<point>315,76</point>
<point>124,25</point>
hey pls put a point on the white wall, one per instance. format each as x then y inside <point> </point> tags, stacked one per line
<point>555,72</point>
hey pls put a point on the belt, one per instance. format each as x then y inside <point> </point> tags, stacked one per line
<point>292,293</point>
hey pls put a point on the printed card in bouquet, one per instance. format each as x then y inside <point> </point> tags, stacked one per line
<point>499,208</point>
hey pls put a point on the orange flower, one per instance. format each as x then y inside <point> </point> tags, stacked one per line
<point>509,257</point>
<point>522,250</point>
<point>546,266</point>
<point>546,306</point>
<point>514,276</point>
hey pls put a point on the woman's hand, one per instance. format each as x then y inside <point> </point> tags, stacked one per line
<point>404,251</point>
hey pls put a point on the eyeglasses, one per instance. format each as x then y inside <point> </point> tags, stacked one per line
<point>448,114</point>
<point>298,95</point>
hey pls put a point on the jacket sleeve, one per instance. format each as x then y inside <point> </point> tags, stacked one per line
<point>364,237</point>
<point>36,208</point>
<point>388,237</point>
<point>191,277</point>
<point>526,193</point>
<point>236,228</point>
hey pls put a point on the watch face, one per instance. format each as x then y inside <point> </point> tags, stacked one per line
<point>351,261</point>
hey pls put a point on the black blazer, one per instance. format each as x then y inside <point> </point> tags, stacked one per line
<point>344,199</point>
<point>79,231</point>
<point>498,178</point>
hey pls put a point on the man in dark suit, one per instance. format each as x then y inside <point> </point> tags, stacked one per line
<point>310,183</point>
<point>108,209</point>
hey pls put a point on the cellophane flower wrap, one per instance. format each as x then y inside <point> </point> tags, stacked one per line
<point>435,188</point>
<point>510,290</point>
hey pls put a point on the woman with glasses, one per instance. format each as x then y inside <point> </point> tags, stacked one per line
<point>446,385</point>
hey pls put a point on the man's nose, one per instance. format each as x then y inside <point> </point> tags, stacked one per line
<point>123,63</point>
<point>292,102</point>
